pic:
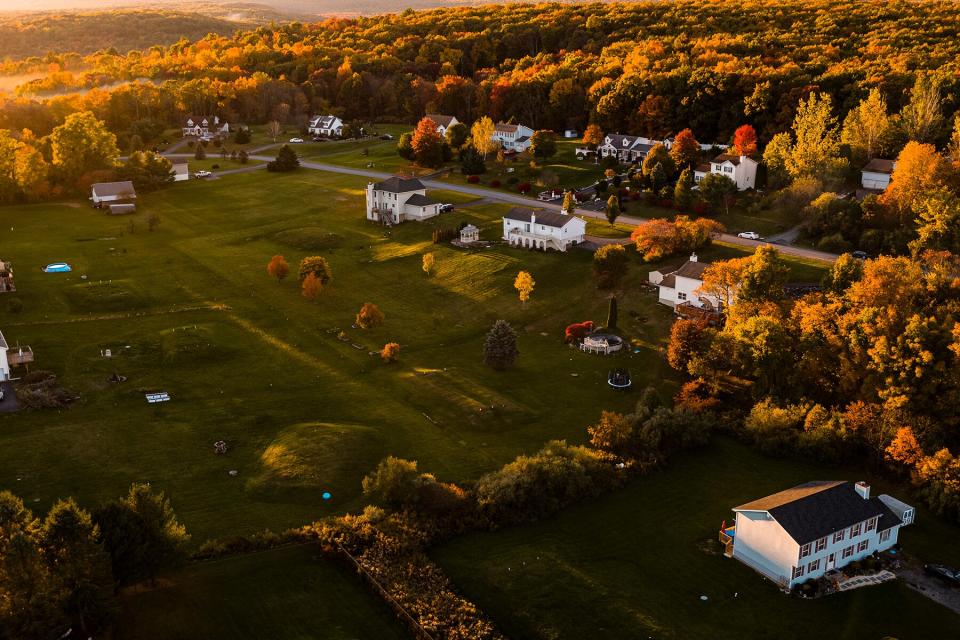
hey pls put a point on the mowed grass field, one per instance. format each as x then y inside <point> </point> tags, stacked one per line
<point>633,565</point>
<point>189,309</point>
<point>289,593</point>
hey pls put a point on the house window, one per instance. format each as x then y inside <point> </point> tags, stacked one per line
<point>813,566</point>
<point>681,295</point>
<point>855,530</point>
<point>908,516</point>
<point>821,544</point>
<point>526,228</point>
<point>848,552</point>
<point>797,572</point>
<point>872,524</point>
<point>728,169</point>
<point>805,550</point>
<point>884,535</point>
<point>863,546</point>
<point>839,535</point>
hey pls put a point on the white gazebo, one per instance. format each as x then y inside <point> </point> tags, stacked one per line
<point>469,234</point>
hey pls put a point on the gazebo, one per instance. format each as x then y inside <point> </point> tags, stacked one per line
<point>469,234</point>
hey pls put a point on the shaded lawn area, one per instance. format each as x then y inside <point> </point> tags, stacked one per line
<point>189,309</point>
<point>633,564</point>
<point>603,229</point>
<point>286,593</point>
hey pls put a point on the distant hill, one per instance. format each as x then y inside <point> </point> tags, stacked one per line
<point>34,34</point>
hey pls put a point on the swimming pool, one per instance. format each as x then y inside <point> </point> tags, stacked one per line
<point>57,267</point>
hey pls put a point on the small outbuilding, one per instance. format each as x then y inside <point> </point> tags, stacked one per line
<point>106,193</point>
<point>876,174</point>
<point>121,209</point>
<point>181,172</point>
<point>469,234</point>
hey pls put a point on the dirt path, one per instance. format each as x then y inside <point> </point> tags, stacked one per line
<point>912,573</point>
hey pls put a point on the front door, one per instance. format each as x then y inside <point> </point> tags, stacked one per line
<point>831,561</point>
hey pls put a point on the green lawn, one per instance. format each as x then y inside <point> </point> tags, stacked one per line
<point>289,593</point>
<point>189,309</point>
<point>634,564</point>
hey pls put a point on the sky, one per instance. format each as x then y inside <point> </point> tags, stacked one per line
<point>293,6</point>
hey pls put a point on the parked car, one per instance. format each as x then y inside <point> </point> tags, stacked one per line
<point>318,139</point>
<point>202,174</point>
<point>749,235</point>
<point>1,394</point>
<point>296,140</point>
<point>386,136</point>
<point>948,574</point>
<point>860,255</point>
<point>446,207</point>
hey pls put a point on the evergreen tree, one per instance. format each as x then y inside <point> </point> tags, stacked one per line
<point>200,153</point>
<point>286,160</point>
<point>242,136</point>
<point>683,190</point>
<point>471,162</point>
<point>500,348</point>
<point>612,209</point>
<point>612,314</point>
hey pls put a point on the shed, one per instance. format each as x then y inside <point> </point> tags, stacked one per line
<point>469,234</point>
<point>121,209</point>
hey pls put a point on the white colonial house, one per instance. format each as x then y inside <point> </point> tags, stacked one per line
<point>108,193</point>
<point>624,148</point>
<point>513,137</point>
<point>398,199</point>
<point>328,126</point>
<point>542,229</point>
<point>205,127</point>
<point>801,533</point>
<point>679,286</point>
<point>741,169</point>
<point>443,122</point>
<point>876,174</point>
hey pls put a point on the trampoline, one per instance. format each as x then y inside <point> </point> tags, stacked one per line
<point>619,379</point>
<point>57,267</point>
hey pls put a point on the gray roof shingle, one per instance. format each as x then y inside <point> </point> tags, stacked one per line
<point>418,200</point>
<point>396,184</point>
<point>546,218</point>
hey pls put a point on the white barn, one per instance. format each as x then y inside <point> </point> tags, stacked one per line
<point>876,174</point>
<point>443,122</point>
<point>741,169</point>
<point>398,199</point>
<point>801,533</point>
<point>328,126</point>
<point>106,193</point>
<point>542,229</point>
<point>513,137</point>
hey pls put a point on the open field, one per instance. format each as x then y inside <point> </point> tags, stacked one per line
<point>189,309</point>
<point>285,593</point>
<point>634,564</point>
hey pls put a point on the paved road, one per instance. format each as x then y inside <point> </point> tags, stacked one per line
<point>510,198</point>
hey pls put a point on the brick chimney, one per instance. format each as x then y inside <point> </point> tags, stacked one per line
<point>863,489</point>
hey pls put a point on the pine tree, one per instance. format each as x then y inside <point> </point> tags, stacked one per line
<point>612,210</point>
<point>683,191</point>
<point>286,160</point>
<point>500,348</point>
<point>612,314</point>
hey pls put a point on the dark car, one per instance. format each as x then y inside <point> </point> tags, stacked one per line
<point>446,208</point>
<point>948,574</point>
<point>860,255</point>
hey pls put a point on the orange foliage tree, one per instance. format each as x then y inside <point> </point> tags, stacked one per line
<point>658,238</point>
<point>685,148</point>
<point>920,169</point>
<point>311,286</point>
<point>370,316</point>
<point>745,141</point>
<point>278,268</point>
<point>390,352</point>
<point>427,144</point>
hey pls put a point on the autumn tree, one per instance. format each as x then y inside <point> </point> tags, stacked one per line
<point>500,347</point>
<point>592,135</point>
<point>904,449</point>
<point>317,265</point>
<point>610,263</point>
<point>524,284</point>
<point>775,156</point>
<point>683,191</point>
<point>685,149</point>
<point>722,279</point>
<point>745,141</point>
<point>405,146</point>
<point>658,238</point>
<point>390,352</point>
<point>658,155</point>
<point>481,135</point>
<point>612,209</point>
<point>147,170</point>
<point>311,286</point>
<point>763,277</point>
<point>717,190</point>
<point>278,268</point>
<point>456,136</point>
<point>543,144</point>
<point>428,262</point>
<point>614,433</point>
<point>844,271</point>
<point>687,338</point>
<point>919,170</point>
<point>273,130</point>
<point>816,145</point>
<point>8,176</point>
<point>369,316</point>
<point>866,125</point>
<point>32,172</point>
<point>80,145</point>
<point>938,223</point>
<point>427,144</point>
<point>569,205</point>
<point>922,117</point>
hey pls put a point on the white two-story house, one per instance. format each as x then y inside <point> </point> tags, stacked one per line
<point>876,174</point>
<point>801,533</point>
<point>397,199</point>
<point>679,286</point>
<point>542,229</point>
<point>326,126</point>
<point>513,137</point>
<point>443,122</point>
<point>626,149</point>
<point>741,169</point>
<point>205,127</point>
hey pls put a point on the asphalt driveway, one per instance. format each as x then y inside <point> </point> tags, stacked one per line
<point>9,404</point>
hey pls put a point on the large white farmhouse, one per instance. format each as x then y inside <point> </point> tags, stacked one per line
<point>741,169</point>
<point>204,127</point>
<point>542,229</point>
<point>443,122</point>
<point>803,532</point>
<point>876,174</point>
<point>398,199</point>
<point>328,126</point>
<point>513,137</point>
<point>678,286</point>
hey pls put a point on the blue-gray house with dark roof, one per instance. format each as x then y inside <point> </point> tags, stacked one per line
<point>801,533</point>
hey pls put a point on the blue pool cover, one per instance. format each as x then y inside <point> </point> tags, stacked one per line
<point>57,267</point>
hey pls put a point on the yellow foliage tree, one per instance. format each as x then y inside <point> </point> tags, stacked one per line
<point>428,262</point>
<point>524,285</point>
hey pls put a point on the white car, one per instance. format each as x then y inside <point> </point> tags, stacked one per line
<point>202,174</point>
<point>749,235</point>
<point>296,140</point>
